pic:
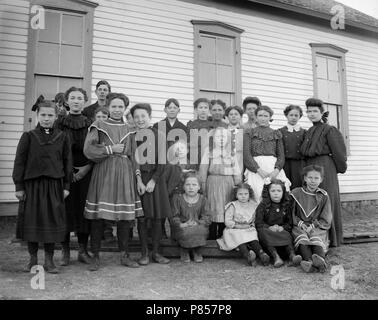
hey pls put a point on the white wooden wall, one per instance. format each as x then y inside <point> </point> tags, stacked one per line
<point>14,17</point>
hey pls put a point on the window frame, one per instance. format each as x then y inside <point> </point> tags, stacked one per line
<point>330,50</point>
<point>79,6</point>
<point>220,29</point>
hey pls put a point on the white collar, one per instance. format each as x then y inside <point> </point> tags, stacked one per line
<point>291,128</point>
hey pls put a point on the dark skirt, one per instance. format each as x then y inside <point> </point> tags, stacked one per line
<point>293,170</point>
<point>271,238</point>
<point>191,237</point>
<point>331,185</point>
<point>75,204</point>
<point>155,204</point>
<point>42,217</point>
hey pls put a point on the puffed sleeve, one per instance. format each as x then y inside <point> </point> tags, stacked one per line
<point>229,216</point>
<point>325,218</point>
<point>249,162</point>
<point>67,162</point>
<point>176,210</point>
<point>205,214</point>
<point>20,161</point>
<point>93,150</point>
<point>338,149</point>
<point>280,152</point>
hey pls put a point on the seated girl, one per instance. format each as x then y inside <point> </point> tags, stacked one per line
<point>312,218</point>
<point>240,229</point>
<point>274,221</point>
<point>190,219</point>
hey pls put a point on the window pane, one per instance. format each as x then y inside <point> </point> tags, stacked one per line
<point>207,76</point>
<point>66,83</point>
<point>321,67</point>
<point>72,30</point>
<point>207,50</point>
<point>227,98</point>
<point>333,69</point>
<point>333,118</point>
<point>47,58</point>
<point>52,28</point>
<point>225,78</point>
<point>207,94</point>
<point>334,93</point>
<point>71,62</point>
<point>224,51</point>
<point>323,89</point>
<point>47,86</point>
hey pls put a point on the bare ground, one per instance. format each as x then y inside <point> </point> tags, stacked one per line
<point>213,279</point>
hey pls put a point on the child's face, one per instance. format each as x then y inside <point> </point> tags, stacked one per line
<point>203,110</point>
<point>102,91</point>
<point>217,112</point>
<point>101,116</point>
<point>263,118</point>
<point>275,193</point>
<point>220,137</point>
<point>76,101</point>
<point>250,110</point>
<point>191,186</point>
<point>46,117</point>
<point>172,111</point>
<point>293,117</point>
<point>234,117</point>
<point>116,108</point>
<point>313,179</point>
<point>242,195</point>
<point>314,114</point>
<point>141,118</point>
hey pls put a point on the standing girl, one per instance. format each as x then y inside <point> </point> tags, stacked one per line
<point>76,126</point>
<point>112,193</point>
<point>312,218</point>
<point>42,174</point>
<point>218,174</point>
<point>263,152</point>
<point>274,222</point>
<point>292,137</point>
<point>324,146</point>
<point>240,229</point>
<point>154,192</point>
<point>190,219</point>
<point>217,110</point>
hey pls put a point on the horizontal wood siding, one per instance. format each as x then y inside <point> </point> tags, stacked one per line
<point>14,19</point>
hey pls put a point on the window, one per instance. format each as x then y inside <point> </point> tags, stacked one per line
<point>59,55</point>
<point>330,83</point>
<point>217,61</point>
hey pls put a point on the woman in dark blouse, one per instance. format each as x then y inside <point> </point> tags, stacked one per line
<point>263,153</point>
<point>324,146</point>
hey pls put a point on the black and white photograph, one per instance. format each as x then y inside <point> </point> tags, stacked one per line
<point>202,151</point>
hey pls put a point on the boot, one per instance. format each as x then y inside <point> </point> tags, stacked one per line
<point>65,254</point>
<point>265,259</point>
<point>158,258</point>
<point>197,256</point>
<point>49,265</point>
<point>127,261</point>
<point>145,258</point>
<point>184,255</point>
<point>251,259</point>
<point>295,259</point>
<point>319,262</point>
<point>33,261</point>
<point>307,266</point>
<point>83,255</point>
<point>277,260</point>
<point>95,263</point>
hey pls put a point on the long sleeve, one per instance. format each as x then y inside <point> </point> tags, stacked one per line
<point>92,149</point>
<point>133,154</point>
<point>249,162</point>
<point>20,161</point>
<point>229,216</point>
<point>176,211</point>
<point>338,149</point>
<point>280,152</point>
<point>205,214</point>
<point>288,221</point>
<point>325,218</point>
<point>67,162</point>
<point>259,220</point>
<point>160,168</point>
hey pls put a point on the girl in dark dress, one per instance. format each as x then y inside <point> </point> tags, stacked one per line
<point>42,174</point>
<point>292,137</point>
<point>324,146</point>
<point>154,192</point>
<point>76,126</point>
<point>274,222</point>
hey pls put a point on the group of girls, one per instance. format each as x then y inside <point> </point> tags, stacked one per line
<point>79,173</point>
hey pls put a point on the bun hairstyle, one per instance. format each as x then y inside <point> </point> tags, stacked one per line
<point>237,108</point>
<point>254,100</point>
<point>293,107</point>
<point>172,100</point>
<point>113,95</point>
<point>314,102</point>
<point>40,99</point>
<point>265,108</point>
<point>73,89</point>
<point>243,185</point>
